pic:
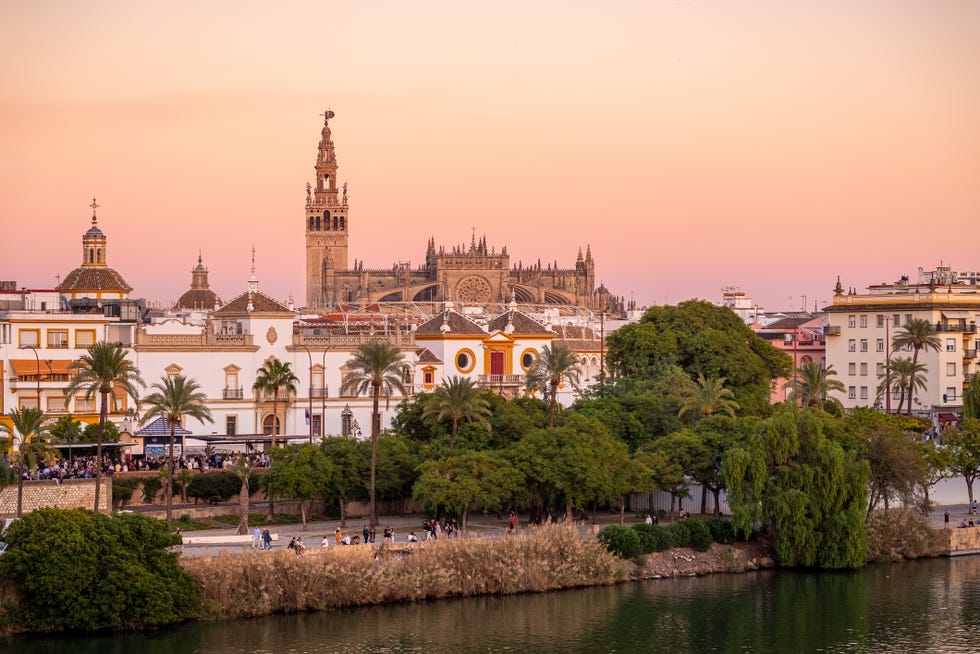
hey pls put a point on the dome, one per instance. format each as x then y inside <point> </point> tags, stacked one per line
<point>94,232</point>
<point>197,298</point>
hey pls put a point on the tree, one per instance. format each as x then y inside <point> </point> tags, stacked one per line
<point>299,472</point>
<point>28,438</point>
<point>351,460</point>
<point>963,445</point>
<point>458,399</point>
<point>243,470</point>
<point>377,366</point>
<point>971,399</point>
<point>466,481</point>
<point>906,375</point>
<point>272,377</point>
<point>555,365</point>
<point>708,397</point>
<point>899,468</point>
<point>812,383</point>
<point>103,370</point>
<point>795,478</point>
<point>700,338</point>
<point>175,398</point>
<point>669,459</point>
<point>917,334</point>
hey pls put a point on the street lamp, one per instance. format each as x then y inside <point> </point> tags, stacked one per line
<point>323,390</point>
<point>310,410</point>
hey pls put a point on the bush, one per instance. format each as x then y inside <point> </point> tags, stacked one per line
<point>83,571</point>
<point>654,538</point>
<point>151,486</point>
<point>218,486</point>
<point>694,534</point>
<point>722,530</point>
<point>123,489</point>
<point>621,540</point>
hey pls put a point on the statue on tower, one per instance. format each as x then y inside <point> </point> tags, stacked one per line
<point>345,194</point>
<point>309,197</point>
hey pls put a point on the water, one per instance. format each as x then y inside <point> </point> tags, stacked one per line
<point>919,606</point>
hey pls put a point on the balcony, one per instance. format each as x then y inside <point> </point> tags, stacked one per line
<point>282,396</point>
<point>345,341</point>
<point>320,392</point>
<point>970,353</point>
<point>496,381</point>
<point>968,378</point>
<point>831,330</point>
<point>955,328</point>
<point>233,394</point>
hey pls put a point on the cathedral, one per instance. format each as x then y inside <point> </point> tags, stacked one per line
<point>474,274</point>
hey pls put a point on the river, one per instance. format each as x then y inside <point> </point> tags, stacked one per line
<point>917,606</point>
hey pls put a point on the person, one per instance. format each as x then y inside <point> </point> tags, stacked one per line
<point>412,538</point>
<point>649,519</point>
<point>366,533</point>
<point>946,519</point>
<point>266,540</point>
<point>299,547</point>
<point>257,538</point>
<point>511,523</point>
<point>325,543</point>
<point>973,507</point>
<point>292,544</point>
<point>389,536</point>
<point>962,524</point>
<point>338,536</point>
<point>345,540</point>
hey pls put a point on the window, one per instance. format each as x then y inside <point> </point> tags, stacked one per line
<point>864,345</point>
<point>950,344</point>
<point>851,392</point>
<point>84,337</point>
<point>950,394</point>
<point>950,369</point>
<point>851,345</point>
<point>896,320</point>
<point>28,402</point>
<point>852,321</point>
<point>58,338</point>
<point>880,369</point>
<point>172,371</point>
<point>346,422</point>
<point>852,369</point>
<point>908,318</point>
<point>465,361</point>
<point>29,338</point>
<point>880,320</point>
<point>231,425</point>
<point>317,419</point>
<point>864,392</point>
<point>84,404</point>
<point>864,320</point>
<point>56,404</point>
<point>864,370</point>
<point>427,378</point>
<point>880,345</point>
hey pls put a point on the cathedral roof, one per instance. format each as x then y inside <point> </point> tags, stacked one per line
<point>456,323</point>
<point>261,303</point>
<point>93,278</point>
<point>425,355</point>
<point>522,323</point>
<point>198,298</point>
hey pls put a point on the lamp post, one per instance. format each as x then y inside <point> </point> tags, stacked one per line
<point>888,371</point>
<point>323,392</point>
<point>310,410</point>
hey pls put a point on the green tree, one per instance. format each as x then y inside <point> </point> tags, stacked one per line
<point>708,397</point>
<point>299,472</point>
<point>670,458</point>
<point>700,338</point>
<point>104,369</point>
<point>963,445</point>
<point>377,366</point>
<point>66,429</point>
<point>82,571</point>
<point>351,463</point>
<point>272,377</point>
<point>243,470</point>
<point>917,334</point>
<point>899,468</point>
<point>458,399</point>
<point>812,384</point>
<point>27,437</point>
<point>971,399</point>
<point>398,460</point>
<point>555,365</point>
<point>794,477</point>
<point>174,399</point>
<point>467,481</point>
<point>904,374</point>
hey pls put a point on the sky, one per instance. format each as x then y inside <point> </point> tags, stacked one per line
<point>694,145</point>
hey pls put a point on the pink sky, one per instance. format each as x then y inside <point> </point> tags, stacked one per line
<point>694,145</point>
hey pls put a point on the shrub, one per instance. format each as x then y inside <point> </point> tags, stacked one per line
<point>151,486</point>
<point>691,533</point>
<point>621,540</point>
<point>654,538</point>
<point>123,489</point>
<point>83,571</point>
<point>218,486</point>
<point>722,530</point>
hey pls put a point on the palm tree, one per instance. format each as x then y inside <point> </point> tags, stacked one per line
<point>379,366</point>
<point>905,374</point>
<point>458,399</point>
<point>243,470</point>
<point>175,398</point>
<point>918,334</point>
<point>28,424</point>
<point>708,397</point>
<point>103,370</point>
<point>273,376</point>
<point>812,383</point>
<point>556,364</point>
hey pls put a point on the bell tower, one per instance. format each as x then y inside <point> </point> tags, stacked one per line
<point>326,224</point>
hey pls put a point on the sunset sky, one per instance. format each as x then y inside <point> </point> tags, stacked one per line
<point>693,144</point>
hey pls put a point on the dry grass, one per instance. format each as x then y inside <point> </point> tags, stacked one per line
<point>900,534</point>
<point>260,583</point>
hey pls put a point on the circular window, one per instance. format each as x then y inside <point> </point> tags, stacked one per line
<point>465,360</point>
<point>528,357</point>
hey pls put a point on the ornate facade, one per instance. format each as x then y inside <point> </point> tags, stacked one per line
<point>476,274</point>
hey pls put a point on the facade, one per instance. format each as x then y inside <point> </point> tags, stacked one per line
<point>801,337</point>
<point>860,328</point>
<point>471,274</point>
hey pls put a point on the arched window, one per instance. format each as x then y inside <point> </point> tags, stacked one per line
<point>98,255</point>
<point>335,223</point>
<point>267,425</point>
<point>311,224</point>
<point>342,223</point>
<point>326,220</point>
<point>318,223</point>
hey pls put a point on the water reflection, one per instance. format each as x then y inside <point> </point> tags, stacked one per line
<point>925,606</point>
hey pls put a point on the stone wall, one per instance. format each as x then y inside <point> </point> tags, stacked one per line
<point>956,541</point>
<point>69,494</point>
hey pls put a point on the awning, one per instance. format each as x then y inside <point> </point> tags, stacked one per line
<point>30,367</point>
<point>948,417</point>
<point>957,315</point>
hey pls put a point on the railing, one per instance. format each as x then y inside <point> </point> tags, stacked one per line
<point>320,392</point>
<point>281,395</point>
<point>409,390</point>
<point>500,380</point>
<point>970,353</point>
<point>29,381</point>
<point>831,330</point>
<point>193,340</point>
<point>955,329</point>
<point>233,394</point>
<point>349,340</point>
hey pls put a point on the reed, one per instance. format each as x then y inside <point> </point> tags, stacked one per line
<point>255,583</point>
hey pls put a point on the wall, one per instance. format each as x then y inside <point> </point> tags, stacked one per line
<point>70,494</point>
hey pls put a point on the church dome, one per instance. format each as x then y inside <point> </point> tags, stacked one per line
<point>200,296</point>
